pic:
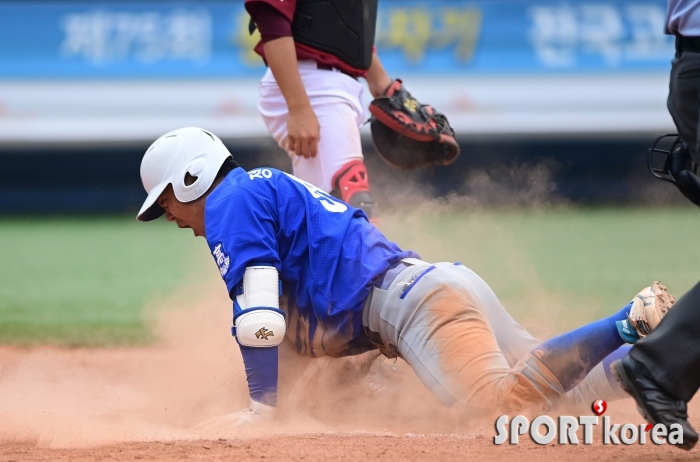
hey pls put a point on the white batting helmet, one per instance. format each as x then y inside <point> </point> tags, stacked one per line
<point>168,161</point>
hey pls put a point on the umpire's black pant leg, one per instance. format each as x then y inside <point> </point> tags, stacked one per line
<point>684,97</point>
<point>672,351</point>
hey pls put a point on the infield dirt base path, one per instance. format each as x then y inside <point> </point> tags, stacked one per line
<point>145,404</point>
<point>346,447</point>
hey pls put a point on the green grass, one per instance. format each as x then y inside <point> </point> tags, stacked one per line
<point>556,269</point>
<point>85,281</point>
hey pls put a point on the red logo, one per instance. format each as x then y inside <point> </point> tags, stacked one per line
<point>599,407</point>
<point>648,427</point>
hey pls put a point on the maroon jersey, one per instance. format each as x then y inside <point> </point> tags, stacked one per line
<point>274,19</point>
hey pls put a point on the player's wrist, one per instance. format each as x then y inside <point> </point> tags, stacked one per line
<point>379,86</point>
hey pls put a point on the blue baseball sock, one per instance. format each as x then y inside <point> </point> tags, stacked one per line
<point>571,356</point>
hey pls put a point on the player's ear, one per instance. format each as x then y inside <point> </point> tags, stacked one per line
<point>189,179</point>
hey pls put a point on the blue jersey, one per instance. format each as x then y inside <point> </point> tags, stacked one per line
<point>327,253</point>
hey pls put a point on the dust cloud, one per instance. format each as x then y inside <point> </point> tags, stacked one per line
<point>62,397</point>
<point>523,185</point>
<point>56,397</point>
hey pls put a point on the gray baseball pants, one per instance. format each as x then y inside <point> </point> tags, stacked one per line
<point>449,326</point>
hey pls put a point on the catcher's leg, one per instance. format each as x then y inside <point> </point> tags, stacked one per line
<point>340,136</point>
<point>339,145</point>
<point>336,100</point>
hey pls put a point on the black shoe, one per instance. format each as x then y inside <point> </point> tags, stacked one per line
<point>657,406</point>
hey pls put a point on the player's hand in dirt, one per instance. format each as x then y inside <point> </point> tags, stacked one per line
<point>256,413</point>
<point>303,131</point>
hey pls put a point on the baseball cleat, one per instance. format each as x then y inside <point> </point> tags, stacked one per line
<point>657,406</point>
<point>649,307</point>
<point>256,413</point>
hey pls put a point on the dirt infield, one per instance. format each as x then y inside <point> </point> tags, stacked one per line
<point>345,446</point>
<point>144,403</point>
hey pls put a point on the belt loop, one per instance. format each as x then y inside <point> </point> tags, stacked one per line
<point>679,45</point>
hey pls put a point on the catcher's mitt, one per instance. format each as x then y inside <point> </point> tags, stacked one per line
<point>408,134</point>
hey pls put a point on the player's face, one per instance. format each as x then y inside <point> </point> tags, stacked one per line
<point>186,215</point>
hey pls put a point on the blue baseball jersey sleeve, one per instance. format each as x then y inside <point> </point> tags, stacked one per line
<point>327,253</point>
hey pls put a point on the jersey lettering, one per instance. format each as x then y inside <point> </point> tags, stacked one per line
<point>259,173</point>
<point>326,200</point>
<point>222,258</point>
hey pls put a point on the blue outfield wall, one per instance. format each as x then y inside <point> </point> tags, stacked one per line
<point>103,71</point>
<point>209,39</point>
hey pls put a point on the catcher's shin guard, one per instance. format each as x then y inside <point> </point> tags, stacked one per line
<point>351,185</point>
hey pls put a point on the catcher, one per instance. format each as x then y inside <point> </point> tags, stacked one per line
<point>311,100</point>
<point>304,267</point>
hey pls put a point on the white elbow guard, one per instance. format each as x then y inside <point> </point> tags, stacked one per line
<point>260,323</point>
<point>260,327</point>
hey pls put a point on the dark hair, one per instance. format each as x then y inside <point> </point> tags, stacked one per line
<point>226,168</point>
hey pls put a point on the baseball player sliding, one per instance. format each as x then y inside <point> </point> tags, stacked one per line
<point>311,100</point>
<point>306,268</point>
